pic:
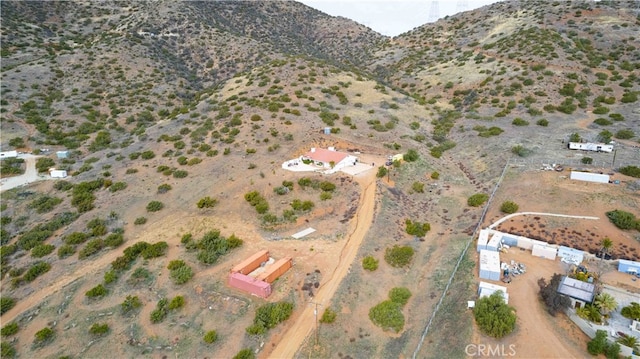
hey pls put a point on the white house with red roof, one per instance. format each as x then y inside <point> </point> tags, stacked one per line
<point>329,159</point>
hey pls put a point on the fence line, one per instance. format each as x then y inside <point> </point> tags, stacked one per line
<point>455,269</point>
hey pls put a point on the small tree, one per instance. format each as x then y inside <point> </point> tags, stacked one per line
<point>207,202</point>
<point>509,207</point>
<point>631,311</point>
<point>398,256</point>
<point>605,303</point>
<point>210,337</point>
<point>554,301</point>
<point>477,199</point>
<point>493,316</point>
<point>382,171</point>
<point>329,316</point>
<point>605,246</point>
<point>369,263</point>
<point>598,344</point>
<point>154,206</point>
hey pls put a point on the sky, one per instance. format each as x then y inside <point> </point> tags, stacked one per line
<point>394,17</point>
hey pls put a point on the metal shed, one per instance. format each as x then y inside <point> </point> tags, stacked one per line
<point>250,264</point>
<point>489,265</point>
<point>627,266</point>
<point>250,285</point>
<point>483,238</point>
<point>275,270</point>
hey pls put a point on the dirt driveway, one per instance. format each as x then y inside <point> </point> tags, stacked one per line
<point>30,175</point>
<point>289,343</point>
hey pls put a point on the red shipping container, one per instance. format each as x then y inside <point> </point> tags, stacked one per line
<point>274,271</point>
<point>250,285</point>
<point>250,264</point>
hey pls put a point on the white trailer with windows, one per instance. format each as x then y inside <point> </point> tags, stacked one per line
<point>489,265</point>
<point>588,146</point>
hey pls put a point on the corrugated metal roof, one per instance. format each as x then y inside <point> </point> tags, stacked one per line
<point>577,289</point>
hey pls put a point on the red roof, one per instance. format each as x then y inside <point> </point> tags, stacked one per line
<point>326,156</point>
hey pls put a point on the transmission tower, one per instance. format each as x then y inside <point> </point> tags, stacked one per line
<point>434,13</point>
<point>462,6</point>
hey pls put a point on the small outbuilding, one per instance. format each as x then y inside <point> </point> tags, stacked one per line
<point>489,265</point>
<point>486,289</point>
<point>62,154</point>
<point>570,255</point>
<point>54,173</point>
<point>578,291</point>
<point>8,154</point>
<point>483,239</point>
<point>544,251</point>
<point>250,285</point>
<point>627,266</point>
<point>495,242</point>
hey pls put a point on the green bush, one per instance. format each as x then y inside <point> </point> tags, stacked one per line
<point>435,175</point>
<point>207,202</point>
<point>245,353</point>
<point>154,206</point>
<point>65,251</point>
<point>587,160</point>
<point>400,295</point>
<point>270,315</point>
<point>42,250</point>
<point>44,204</point>
<point>44,336</point>
<point>602,121</point>
<point>519,122</point>
<point>631,311</point>
<point>398,256</point>
<point>632,171</point>
<point>493,316</point>
<point>92,247</point>
<point>411,156</point>
<point>36,270</point>
<point>110,276</point>
<point>324,196</point>
<point>210,337</point>
<point>180,174</point>
<point>164,188</point>
<point>623,219</point>
<point>625,134</point>
<point>140,221</point>
<point>329,316</point>
<point>176,303</point>
<point>416,228</point>
<point>509,207</point>
<point>6,303</point>
<point>418,187</point>
<point>7,350</point>
<point>477,199</point>
<point>181,274</point>
<point>598,344</point>
<point>520,151</point>
<point>161,311</point>
<point>44,163</point>
<point>387,315</point>
<point>97,291</point>
<point>130,304</point>
<point>99,329</point>
<point>382,171</point>
<point>369,263</point>
<point>9,329</point>
<point>542,122</point>
<point>75,238</point>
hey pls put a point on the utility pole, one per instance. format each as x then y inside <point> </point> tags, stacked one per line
<point>613,164</point>
<point>315,314</point>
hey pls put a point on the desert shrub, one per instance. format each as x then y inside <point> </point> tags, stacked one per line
<point>210,337</point>
<point>176,303</point>
<point>542,122</point>
<point>369,263</point>
<point>411,155</point>
<point>625,134</point>
<point>99,329</point>
<point>509,207</point>
<point>92,247</point>
<point>398,256</point>
<point>118,186</point>
<point>42,250</point>
<point>36,270</point>
<point>44,163</point>
<point>9,329</point>
<point>180,174</point>
<point>7,350</point>
<point>519,122</point>
<point>400,295</point>
<point>520,151</point>
<point>325,196</point>
<point>62,185</point>
<point>161,311</point>
<point>382,171</point>
<point>245,353</point>
<point>181,274</point>
<point>44,204</point>
<point>110,276</point>
<point>631,311</point>
<point>154,206</point>
<point>207,202</point>
<point>416,228</point>
<point>114,240</point>
<point>327,186</point>
<point>555,302</point>
<point>587,160</point>
<point>623,219</point>
<point>632,171</point>
<point>155,250</point>
<point>488,132</point>
<point>418,187</point>
<point>387,315</point>
<point>602,121</point>
<point>140,221</point>
<point>329,316</point>
<point>44,336</point>
<point>75,238</point>
<point>493,316</point>
<point>130,304</point>
<point>6,303</point>
<point>477,199</point>
<point>164,188</point>
<point>270,315</point>
<point>98,291</point>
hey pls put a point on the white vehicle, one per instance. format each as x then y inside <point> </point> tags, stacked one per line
<point>588,146</point>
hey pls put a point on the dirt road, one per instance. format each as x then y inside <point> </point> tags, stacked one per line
<point>29,175</point>
<point>292,339</point>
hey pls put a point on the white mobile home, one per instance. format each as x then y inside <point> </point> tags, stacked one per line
<point>543,251</point>
<point>8,154</point>
<point>54,173</point>
<point>483,239</point>
<point>588,146</point>
<point>589,177</point>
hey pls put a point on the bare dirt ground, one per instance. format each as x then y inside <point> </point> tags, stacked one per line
<point>30,174</point>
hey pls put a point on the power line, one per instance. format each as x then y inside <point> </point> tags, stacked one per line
<point>434,13</point>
